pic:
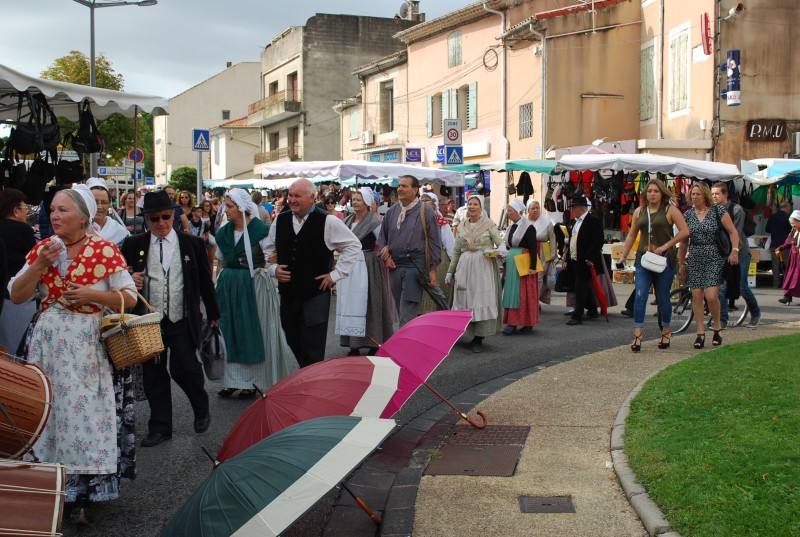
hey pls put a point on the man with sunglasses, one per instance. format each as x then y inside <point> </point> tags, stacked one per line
<point>171,271</point>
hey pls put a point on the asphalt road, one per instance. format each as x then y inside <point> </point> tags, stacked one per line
<point>167,474</point>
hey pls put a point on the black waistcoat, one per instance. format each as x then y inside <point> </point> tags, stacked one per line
<point>305,253</point>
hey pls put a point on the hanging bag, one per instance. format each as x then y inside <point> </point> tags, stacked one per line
<point>38,129</point>
<point>651,260</point>
<point>213,352</point>
<point>723,240</point>
<point>88,138</point>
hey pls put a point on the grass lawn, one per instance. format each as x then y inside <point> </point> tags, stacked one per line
<point>715,439</point>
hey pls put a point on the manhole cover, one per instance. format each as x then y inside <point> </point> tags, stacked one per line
<point>490,435</point>
<point>546,504</point>
<point>475,460</point>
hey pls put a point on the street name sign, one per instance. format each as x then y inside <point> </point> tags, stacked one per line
<point>112,170</point>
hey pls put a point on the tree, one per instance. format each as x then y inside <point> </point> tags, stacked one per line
<point>184,178</point>
<point>117,130</point>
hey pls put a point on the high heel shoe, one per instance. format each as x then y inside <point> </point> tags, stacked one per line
<point>700,341</point>
<point>786,299</point>
<point>662,344</point>
<point>636,346</point>
<point>717,339</point>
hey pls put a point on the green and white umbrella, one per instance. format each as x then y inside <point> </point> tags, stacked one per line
<point>264,489</point>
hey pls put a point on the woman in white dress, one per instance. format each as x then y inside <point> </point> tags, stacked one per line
<point>547,249</point>
<point>475,273</point>
<point>109,228</point>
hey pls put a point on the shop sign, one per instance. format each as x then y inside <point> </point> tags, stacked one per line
<point>389,156</point>
<point>375,157</point>
<point>766,130</point>
<point>440,154</point>
<point>413,154</point>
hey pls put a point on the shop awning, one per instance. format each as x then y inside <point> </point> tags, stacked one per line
<point>700,169</point>
<point>526,165</point>
<point>63,97</point>
<point>361,169</point>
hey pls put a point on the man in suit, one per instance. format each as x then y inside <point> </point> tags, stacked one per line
<point>171,270</point>
<point>585,252</point>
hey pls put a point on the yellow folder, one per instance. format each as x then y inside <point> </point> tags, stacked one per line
<point>523,262</point>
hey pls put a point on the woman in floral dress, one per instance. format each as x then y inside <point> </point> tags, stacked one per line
<point>78,274</point>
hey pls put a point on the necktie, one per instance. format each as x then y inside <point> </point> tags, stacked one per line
<point>161,251</point>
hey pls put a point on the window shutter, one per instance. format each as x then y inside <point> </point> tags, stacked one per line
<point>430,115</point>
<point>446,104</point>
<point>453,103</point>
<point>472,106</point>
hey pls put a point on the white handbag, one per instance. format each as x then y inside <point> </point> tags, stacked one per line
<point>651,260</point>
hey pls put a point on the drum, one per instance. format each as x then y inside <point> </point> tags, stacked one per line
<point>25,399</point>
<point>31,498</point>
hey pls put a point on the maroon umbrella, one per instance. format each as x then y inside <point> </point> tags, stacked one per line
<point>602,301</point>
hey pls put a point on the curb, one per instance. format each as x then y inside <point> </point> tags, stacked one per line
<point>649,513</point>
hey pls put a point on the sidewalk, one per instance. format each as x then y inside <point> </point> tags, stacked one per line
<point>571,408</point>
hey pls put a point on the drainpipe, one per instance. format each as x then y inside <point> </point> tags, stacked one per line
<point>660,64</point>
<point>544,85</point>
<point>718,82</point>
<point>502,90</point>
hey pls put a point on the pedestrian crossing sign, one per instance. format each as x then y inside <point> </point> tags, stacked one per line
<point>454,155</point>
<point>199,140</point>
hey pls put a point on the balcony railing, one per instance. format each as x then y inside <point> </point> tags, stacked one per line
<point>291,152</point>
<point>283,96</point>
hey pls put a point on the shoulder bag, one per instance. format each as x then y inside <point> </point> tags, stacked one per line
<point>651,260</point>
<point>723,240</point>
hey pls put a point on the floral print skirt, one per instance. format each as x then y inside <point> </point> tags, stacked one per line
<point>90,429</point>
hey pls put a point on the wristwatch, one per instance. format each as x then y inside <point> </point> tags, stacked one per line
<point>735,249</point>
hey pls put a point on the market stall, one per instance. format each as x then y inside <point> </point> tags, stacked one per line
<point>359,170</point>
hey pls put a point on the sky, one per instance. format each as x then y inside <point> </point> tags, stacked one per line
<point>168,48</point>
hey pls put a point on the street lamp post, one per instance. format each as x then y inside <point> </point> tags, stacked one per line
<point>92,5</point>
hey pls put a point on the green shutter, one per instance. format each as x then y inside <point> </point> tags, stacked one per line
<point>446,104</point>
<point>453,103</point>
<point>472,106</point>
<point>430,115</point>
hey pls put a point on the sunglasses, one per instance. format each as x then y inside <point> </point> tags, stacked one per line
<point>330,203</point>
<point>163,217</point>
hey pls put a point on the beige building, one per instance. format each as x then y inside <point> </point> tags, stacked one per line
<point>234,144</point>
<point>221,98</point>
<point>304,71</point>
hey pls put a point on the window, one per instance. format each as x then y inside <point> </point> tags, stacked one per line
<point>274,141</point>
<point>647,82</point>
<point>293,134</point>
<point>526,120</point>
<point>291,87</point>
<point>435,114</point>
<point>386,106</point>
<point>215,149</point>
<point>354,124</point>
<point>454,49</point>
<point>679,70</point>
<point>226,115</point>
<point>273,88</point>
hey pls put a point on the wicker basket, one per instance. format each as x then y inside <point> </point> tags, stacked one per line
<point>133,341</point>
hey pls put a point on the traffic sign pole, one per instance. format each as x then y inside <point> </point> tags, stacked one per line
<point>200,144</point>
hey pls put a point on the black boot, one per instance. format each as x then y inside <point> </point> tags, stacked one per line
<point>82,513</point>
<point>476,344</point>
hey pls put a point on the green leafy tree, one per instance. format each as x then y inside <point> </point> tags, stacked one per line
<point>184,178</point>
<point>117,130</point>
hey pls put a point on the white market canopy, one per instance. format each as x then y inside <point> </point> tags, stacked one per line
<point>63,96</point>
<point>775,170</point>
<point>701,169</point>
<point>361,169</point>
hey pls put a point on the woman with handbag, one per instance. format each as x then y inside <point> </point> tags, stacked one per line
<point>257,352</point>
<point>704,261</point>
<point>78,273</point>
<point>521,289</point>
<point>475,273</point>
<point>655,262</point>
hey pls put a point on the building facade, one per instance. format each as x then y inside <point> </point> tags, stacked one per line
<point>217,100</point>
<point>304,71</point>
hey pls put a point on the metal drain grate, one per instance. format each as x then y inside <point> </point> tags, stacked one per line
<point>546,504</point>
<point>498,461</point>
<point>490,435</point>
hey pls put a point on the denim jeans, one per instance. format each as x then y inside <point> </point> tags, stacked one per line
<point>662,283</point>
<point>747,294</point>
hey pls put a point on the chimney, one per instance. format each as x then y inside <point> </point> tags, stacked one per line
<point>228,64</point>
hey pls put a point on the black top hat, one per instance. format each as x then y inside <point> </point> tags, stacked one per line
<point>580,201</point>
<point>157,201</point>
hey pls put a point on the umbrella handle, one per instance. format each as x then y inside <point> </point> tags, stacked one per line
<point>372,516</point>
<point>474,423</point>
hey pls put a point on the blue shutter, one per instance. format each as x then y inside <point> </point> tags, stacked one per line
<point>472,106</point>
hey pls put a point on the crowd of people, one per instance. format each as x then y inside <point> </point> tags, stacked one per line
<point>264,271</point>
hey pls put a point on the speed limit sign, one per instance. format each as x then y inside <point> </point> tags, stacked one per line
<point>452,131</point>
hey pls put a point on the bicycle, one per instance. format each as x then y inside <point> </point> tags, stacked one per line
<point>682,314</point>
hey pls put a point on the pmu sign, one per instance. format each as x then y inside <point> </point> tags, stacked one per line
<point>766,130</point>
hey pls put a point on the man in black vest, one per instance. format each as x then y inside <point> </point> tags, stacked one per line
<point>304,239</point>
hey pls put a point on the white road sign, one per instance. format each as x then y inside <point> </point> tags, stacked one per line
<point>451,129</point>
<point>112,170</point>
